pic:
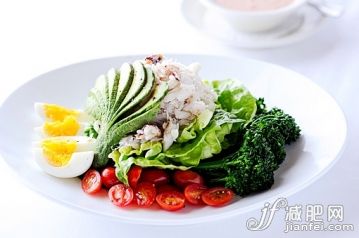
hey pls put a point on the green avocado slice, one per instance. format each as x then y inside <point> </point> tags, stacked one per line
<point>99,94</point>
<point>142,96</point>
<point>113,77</point>
<point>145,114</point>
<point>92,107</point>
<point>159,93</point>
<point>124,84</point>
<point>139,80</point>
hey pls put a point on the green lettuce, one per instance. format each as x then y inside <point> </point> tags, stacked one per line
<point>207,142</point>
<point>209,134</point>
<point>190,131</point>
<point>180,155</point>
<point>235,98</point>
<point>149,149</point>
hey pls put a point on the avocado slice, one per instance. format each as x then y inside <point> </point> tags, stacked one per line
<point>126,78</point>
<point>133,103</point>
<point>109,91</point>
<point>119,82</point>
<point>92,107</point>
<point>155,100</point>
<point>139,80</point>
<point>113,77</point>
<point>142,116</point>
<point>98,94</point>
<point>139,98</point>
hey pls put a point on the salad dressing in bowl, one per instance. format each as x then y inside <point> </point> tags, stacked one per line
<point>254,15</point>
<point>254,5</point>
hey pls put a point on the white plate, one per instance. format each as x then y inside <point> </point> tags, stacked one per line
<point>307,21</point>
<point>322,122</point>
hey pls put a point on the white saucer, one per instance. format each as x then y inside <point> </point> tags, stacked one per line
<point>306,22</point>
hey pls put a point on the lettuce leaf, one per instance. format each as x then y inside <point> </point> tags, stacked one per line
<point>206,136</point>
<point>235,98</point>
<point>190,131</point>
<point>180,155</point>
<point>207,143</point>
<point>150,149</point>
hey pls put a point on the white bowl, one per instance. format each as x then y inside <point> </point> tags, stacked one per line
<point>254,21</point>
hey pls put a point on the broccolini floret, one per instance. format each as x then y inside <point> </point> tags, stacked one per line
<point>251,168</point>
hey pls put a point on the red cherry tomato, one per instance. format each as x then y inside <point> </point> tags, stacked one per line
<point>184,178</point>
<point>145,194</point>
<point>171,201</point>
<point>91,182</point>
<point>166,188</point>
<point>193,193</point>
<point>134,175</point>
<point>109,178</point>
<point>120,195</point>
<point>156,176</point>
<point>217,196</point>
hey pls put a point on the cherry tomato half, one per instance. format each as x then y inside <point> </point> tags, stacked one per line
<point>193,193</point>
<point>184,178</point>
<point>134,175</point>
<point>108,177</point>
<point>145,194</point>
<point>217,196</point>
<point>120,195</point>
<point>171,201</point>
<point>91,182</point>
<point>156,176</point>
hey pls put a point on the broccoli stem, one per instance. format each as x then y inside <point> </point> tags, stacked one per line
<point>211,164</point>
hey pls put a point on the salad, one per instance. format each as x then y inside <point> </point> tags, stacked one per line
<point>153,131</point>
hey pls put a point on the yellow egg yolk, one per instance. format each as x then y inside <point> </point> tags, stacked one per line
<point>67,127</point>
<point>58,113</point>
<point>58,152</point>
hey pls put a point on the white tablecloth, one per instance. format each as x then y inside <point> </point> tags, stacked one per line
<point>37,36</point>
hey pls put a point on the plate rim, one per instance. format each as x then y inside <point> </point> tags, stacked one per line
<point>187,221</point>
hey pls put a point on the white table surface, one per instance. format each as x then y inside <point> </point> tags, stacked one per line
<point>37,36</point>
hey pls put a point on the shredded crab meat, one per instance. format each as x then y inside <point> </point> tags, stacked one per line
<point>170,134</point>
<point>147,133</point>
<point>130,141</point>
<point>187,92</point>
<point>187,98</point>
<point>151,132</point>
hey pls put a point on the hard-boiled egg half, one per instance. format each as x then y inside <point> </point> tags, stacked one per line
<point>60,121</point>
<point>65,156</point>
<point>63,152</point>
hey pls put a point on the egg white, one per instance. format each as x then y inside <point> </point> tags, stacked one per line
<point>79,163</point>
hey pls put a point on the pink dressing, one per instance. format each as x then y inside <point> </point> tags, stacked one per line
<point>254,5</point>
